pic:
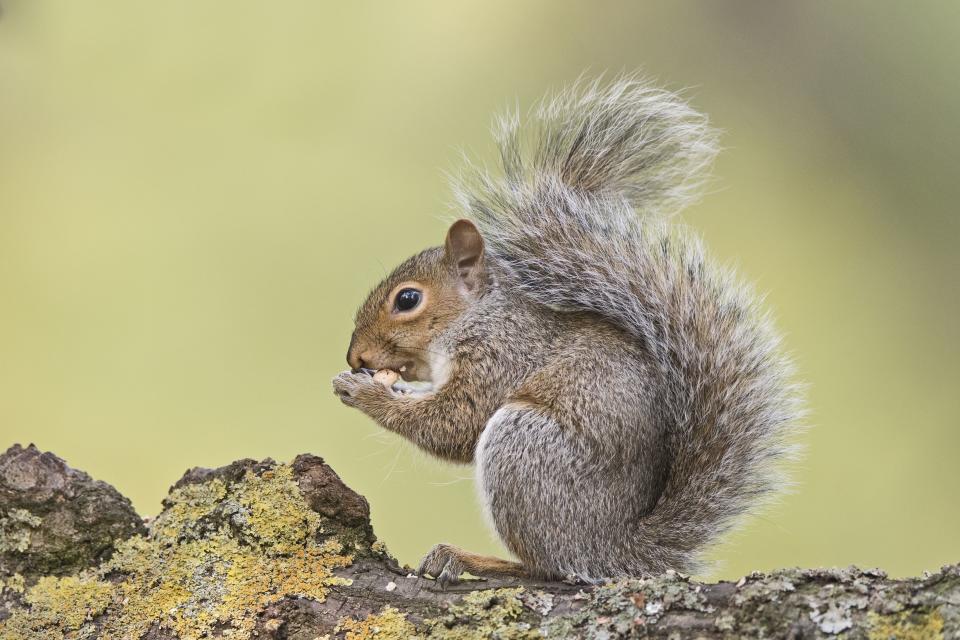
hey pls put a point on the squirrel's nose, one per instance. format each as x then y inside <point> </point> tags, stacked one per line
<point>355,358</point>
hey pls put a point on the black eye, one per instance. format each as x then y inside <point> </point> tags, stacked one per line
<point>407,299</point>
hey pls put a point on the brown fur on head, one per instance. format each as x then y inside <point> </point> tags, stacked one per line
<point>395,326</point>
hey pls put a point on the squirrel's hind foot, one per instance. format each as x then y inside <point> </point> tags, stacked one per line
<point>447,563</point>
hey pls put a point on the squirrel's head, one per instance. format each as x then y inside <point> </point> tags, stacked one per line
<point>415,303</point>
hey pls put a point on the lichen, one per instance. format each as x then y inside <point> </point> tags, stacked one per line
<point>59,608</point>
<point>758,586</point>
<point>494,613</point>
<point>272,510</point>
<point>14,583</point>
<point>216,556</point>
<point>191,587</point>
<point>905,626</point>
<point>15,529</point>
<point>389,624</point>
<point>623,607</point>
<point>480,615</point>
<point>185,508</point>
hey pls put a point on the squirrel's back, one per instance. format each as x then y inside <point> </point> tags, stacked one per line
<point>578,221</point>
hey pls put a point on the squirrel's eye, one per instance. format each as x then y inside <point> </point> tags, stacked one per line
<point>407,299</point>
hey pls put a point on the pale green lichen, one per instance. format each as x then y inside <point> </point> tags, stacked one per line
<point>484,614</point>
<point>216,556</point>
<point>620,608</point>
<point>15,529</point>
<point>185,506</point>
<point>14,583</point>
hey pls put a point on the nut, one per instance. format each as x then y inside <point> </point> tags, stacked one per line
<point>386,377</point>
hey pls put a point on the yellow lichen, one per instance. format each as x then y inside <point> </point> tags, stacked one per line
<point>275,511</point>
<point>906,626</point>
<point>216,556</point>
<point>193,586</point>
<point>59,608</point>
<point>255,581</point>
<point>389,624</point>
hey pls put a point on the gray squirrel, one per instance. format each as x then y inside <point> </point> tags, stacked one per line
<point>624,400</point>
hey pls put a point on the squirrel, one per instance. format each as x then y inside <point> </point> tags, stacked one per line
<point>624,400</point>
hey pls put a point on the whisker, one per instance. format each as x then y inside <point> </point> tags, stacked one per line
<point>415,348</point>
<point>451,482</point>
<point>393,466</point>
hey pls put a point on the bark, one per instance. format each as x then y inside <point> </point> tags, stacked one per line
<point>268,550</point>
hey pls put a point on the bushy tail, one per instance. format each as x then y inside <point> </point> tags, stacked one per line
<point>577,222</point>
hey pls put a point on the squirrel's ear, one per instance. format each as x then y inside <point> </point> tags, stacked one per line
<point>464,248</point>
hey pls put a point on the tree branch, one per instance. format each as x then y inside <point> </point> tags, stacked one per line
<point>267,550</point>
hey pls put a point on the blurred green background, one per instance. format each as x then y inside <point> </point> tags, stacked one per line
<point>194,197</point>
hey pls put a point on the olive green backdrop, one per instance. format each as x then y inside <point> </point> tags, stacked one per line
<point>194,197</point>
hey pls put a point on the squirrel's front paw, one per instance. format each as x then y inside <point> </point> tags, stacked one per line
<point>354,389</point>
<point>444,563</point>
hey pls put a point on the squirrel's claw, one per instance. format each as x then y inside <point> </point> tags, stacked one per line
<point>442,562</point>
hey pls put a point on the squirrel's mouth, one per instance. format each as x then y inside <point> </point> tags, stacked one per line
<point>398,381</point>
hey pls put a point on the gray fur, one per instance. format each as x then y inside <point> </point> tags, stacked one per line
<point>576,224</point>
